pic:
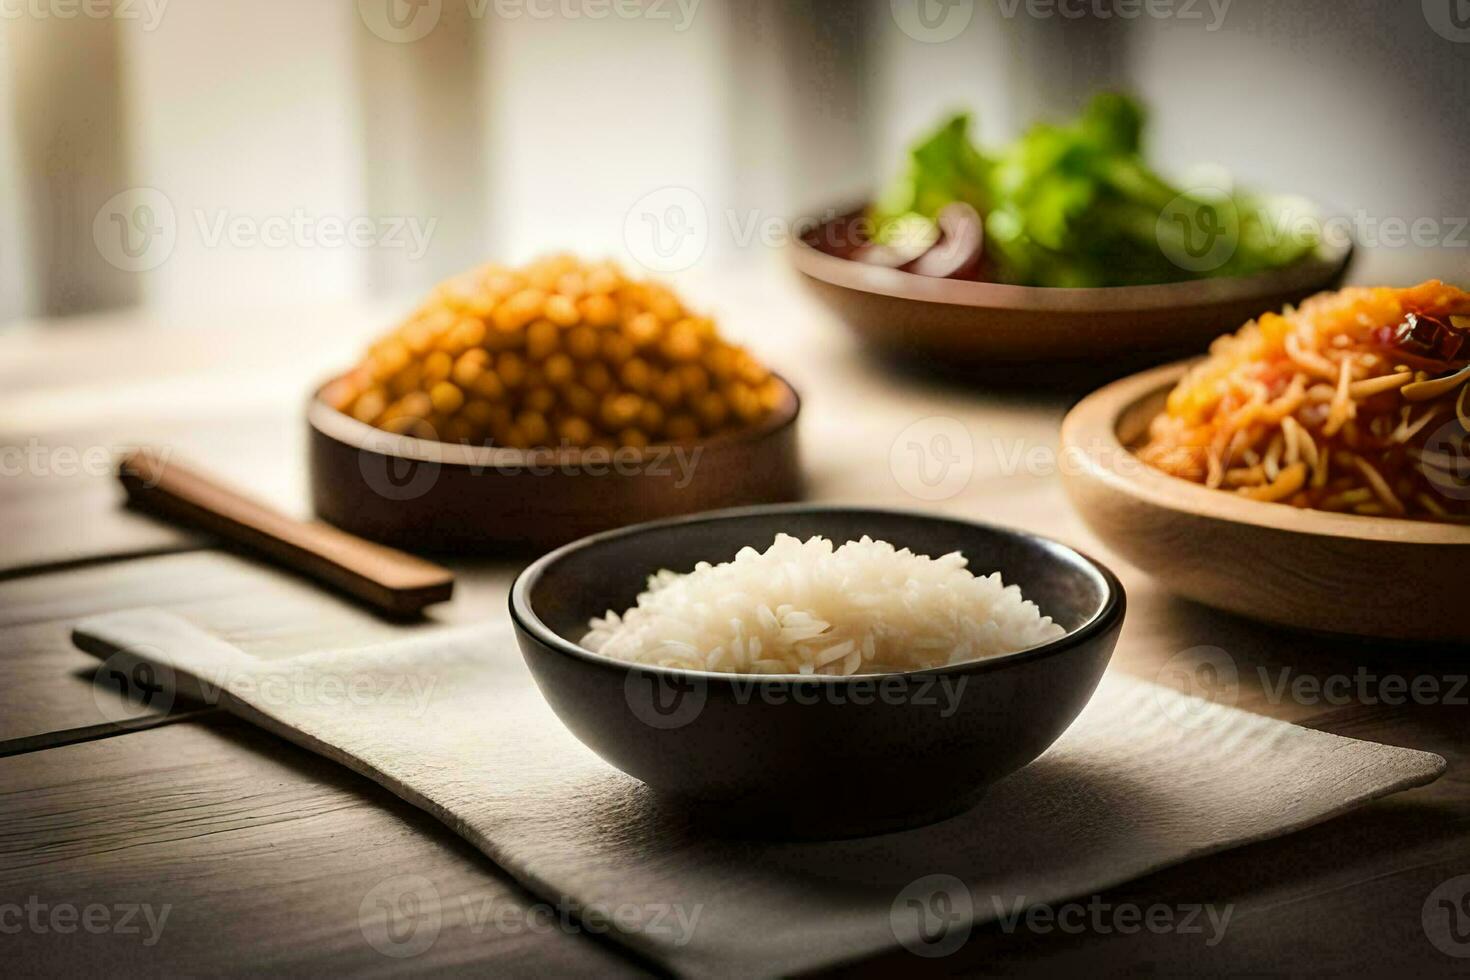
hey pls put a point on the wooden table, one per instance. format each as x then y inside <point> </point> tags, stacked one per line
<point>263,854</point>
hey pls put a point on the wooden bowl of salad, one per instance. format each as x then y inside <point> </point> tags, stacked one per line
<point>1062,249</point>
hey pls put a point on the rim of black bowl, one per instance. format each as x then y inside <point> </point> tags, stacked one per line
<point>525,617</point>
<point>1307,272</point>
<point>343,428</point>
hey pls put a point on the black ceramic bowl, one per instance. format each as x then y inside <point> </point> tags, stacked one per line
<point>815,756</point>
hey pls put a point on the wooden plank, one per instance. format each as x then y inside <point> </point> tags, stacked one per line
<point>53,523</point>
<point>53,692</point>
<point>264,858</point>
<point>61,503</point>
<point>230,398</point>
<point>1346,898</point>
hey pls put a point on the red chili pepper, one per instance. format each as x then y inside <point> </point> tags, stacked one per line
<point>1425,338</point>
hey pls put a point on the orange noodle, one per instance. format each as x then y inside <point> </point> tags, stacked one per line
<point>1354,402</point>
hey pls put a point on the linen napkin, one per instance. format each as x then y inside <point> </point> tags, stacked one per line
<point>452,722</point>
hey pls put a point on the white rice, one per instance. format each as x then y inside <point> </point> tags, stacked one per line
<point>803,607</point>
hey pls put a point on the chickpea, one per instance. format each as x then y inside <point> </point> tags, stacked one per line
<point>559,369</point>
<point>620,410</point>
<point>583,342</point>
<point>664,305</point>
<point>468,332</point>
<point>721,363</point>
<point>596,378</point>
<point>390,359</point>
<point>542,339</point>
<point>406,380</point>
<point>542,277</point>
<point>651,417</point>
<point>636,375</point>
<point>415,404</point>
<point>397,423</point>
<point>633,438</point>
<point>534,427</point>
<point>520,309</point>
<point>341,393</point>
<point>446,398</point>
<point>501,282</point>
<point>469,366</point>
<point>417,337</point>
<point>511,368</point>
<point>499,340</point>
<point>489,386</point>
<point>680,342</point>
<point>601,279</point>
<point>751,371</point>
<point>574,430</point>
<point>616,349</point>
<point>561,310</point>
<point>539,399</point>
<point>643,329</point>
<point>712,410</point>
<point>668,389</point>
<point>693,379</point>
<point>598,310</point>
<point>578,399</point>
<point>437,367</point>
<point>571,285</point>
<point>480,413</point>
<point>743,401</point>
<point>369,405</point>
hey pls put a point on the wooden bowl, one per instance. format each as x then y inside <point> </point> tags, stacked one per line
<point>1336,573</point>
<point>423,495</point>
<point>990,328</point>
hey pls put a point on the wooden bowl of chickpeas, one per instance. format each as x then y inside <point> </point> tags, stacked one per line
<point>518,409</point>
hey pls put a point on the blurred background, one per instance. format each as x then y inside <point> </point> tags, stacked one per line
<point>242,154</point>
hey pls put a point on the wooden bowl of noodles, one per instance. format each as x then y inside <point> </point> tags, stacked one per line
<point>1368,539</point>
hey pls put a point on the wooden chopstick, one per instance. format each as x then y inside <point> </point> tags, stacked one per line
<point>386,578</point>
